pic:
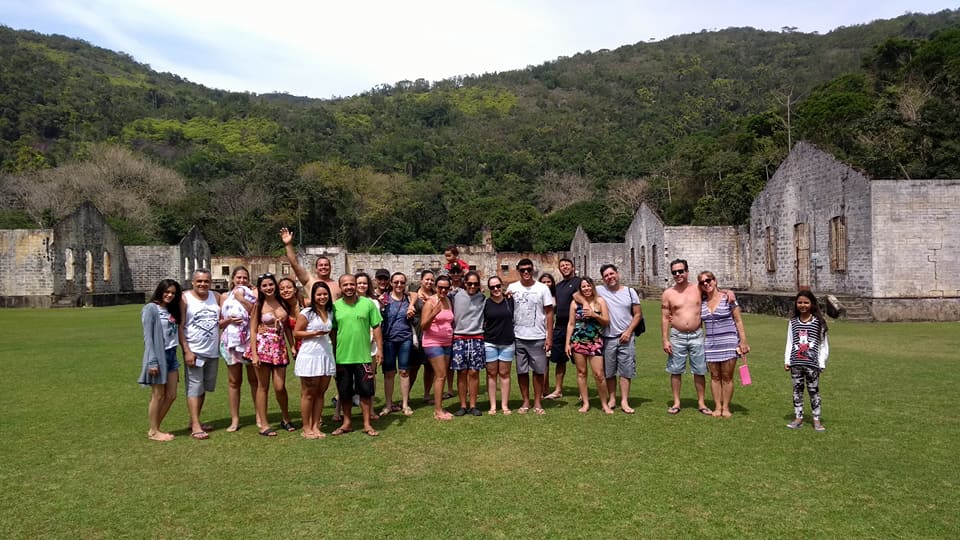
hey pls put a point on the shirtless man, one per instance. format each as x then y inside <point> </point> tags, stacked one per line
<point>324,268</point>
<point>682,335</point>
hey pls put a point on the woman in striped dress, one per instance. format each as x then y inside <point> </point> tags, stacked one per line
<point>725,339</point>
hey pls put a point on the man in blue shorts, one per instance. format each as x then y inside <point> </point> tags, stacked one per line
<point>682,335</point>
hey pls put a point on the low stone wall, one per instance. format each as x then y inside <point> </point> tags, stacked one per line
<point>915,309</point>
<point>38,301</point>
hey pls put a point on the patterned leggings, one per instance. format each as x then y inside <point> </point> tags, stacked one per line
<point>810,376</point>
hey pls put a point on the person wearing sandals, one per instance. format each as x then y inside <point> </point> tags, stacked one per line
<point>424,292</point>
<point>533,327</point>
<point>268,350</point>
<point>724,341</point>
<point>437,324</point>
<point>160,319</point>
<point>563,293</point>
<point>315,363</point>
<point>468,356</point>
<point>292,303</point>
<point>355,318</point>
<point>498,343</point>
<point>584,342</point>
<point>200,341</point>
<point>235,308</point>
<point>397,309</point>
<point>805,356</point>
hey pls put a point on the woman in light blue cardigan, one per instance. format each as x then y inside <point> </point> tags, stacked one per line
<point>160,319</point>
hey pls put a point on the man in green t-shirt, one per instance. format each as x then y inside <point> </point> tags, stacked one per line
<point>356,319</point>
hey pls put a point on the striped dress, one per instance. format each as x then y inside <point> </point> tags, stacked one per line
<point>721,339</point>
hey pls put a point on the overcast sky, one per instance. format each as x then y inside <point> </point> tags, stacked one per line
<point>324,49</point>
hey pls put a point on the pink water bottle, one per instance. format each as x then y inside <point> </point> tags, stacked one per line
<point>745,373</point>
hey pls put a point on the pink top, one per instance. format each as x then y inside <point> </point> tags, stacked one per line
<point>440,331</point>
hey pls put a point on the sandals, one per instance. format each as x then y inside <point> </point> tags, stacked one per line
<point>386,410</point>
<point>288,426</point>
<point>407,411</point>
<point>796,424</point>
<point>539,411</point>
<point>340,431</point>
<point>200,435</point>
<point>268,433</point>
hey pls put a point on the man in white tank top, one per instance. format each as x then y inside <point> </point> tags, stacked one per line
<point>200,340</point>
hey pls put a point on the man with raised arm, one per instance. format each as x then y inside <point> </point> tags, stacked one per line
<point>682,335</point>
<point>323,268</point>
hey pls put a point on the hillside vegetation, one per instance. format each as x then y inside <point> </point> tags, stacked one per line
<point>694,125</point>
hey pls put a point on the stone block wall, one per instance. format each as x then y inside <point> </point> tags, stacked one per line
<point>811,187</point>
<point>26,262</point>
<point>644,250</point>
<point>717,249</point>
<point>99,262</point>
<point>916,238</point>
<point>150,264</point>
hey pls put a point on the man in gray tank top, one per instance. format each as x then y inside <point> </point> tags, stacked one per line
<point>200,340</point>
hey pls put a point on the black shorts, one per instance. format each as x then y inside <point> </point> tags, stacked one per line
<point>354,379</point>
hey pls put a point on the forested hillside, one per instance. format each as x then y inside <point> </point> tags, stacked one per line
<point>694,124</point>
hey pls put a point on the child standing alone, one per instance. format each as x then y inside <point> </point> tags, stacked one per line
<point>805,356</point>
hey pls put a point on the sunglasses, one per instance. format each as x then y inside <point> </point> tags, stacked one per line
<point>473,284</point>
<point>706,280</point>
<point>442,288</point>
<point>678,272</point>
<point>524,270</point>
<point>399,282</point>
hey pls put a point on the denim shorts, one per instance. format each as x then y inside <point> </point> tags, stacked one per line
<point>433,352</point>
<point>687,344</point>
<point>396,354</point>
<point>170,355</point>
<point>498,353</point>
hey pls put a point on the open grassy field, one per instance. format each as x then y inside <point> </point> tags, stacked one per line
<point>75,461</point>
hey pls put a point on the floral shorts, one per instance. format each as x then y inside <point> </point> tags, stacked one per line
<point>271,349</point>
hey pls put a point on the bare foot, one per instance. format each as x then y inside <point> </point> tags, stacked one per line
<point>626,408</point>
<point>232,428</point>
<point>726,413</point>
<point>492,412</point>
<point>507,412</point>
<point>607,410</point>
<point>584,409</point>
<point>160,436</point>
<point>716,413</point>
<point>442,415</point>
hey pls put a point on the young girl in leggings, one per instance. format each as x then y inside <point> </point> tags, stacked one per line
<point>805,356</point>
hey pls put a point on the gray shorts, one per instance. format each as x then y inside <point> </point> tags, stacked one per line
<point>203,379</point>
<point>619,359</point>
<point>531,356</point>
<point>687,344</point>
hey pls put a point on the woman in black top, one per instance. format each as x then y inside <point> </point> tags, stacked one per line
<point>498,343</point>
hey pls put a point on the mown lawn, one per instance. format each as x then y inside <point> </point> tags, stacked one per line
<point>76,461</point>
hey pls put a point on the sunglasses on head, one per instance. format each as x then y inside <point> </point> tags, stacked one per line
<point>261,276</point>
<point>678,272</point>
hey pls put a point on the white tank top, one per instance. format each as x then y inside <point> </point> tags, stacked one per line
<point>201,328</point>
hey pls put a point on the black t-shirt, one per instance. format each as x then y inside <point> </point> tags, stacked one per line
<point>498,322</point>
<point>565,292</point>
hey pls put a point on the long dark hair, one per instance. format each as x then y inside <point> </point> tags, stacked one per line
<point>313,294</point>
<point>814,308</point>
<point>262,298</point>
<point>296,297</point>
<point>174,306</point>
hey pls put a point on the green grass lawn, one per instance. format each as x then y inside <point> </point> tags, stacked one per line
<point>76,461</point>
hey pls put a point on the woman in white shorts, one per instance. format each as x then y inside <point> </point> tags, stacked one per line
<point>315,362</point>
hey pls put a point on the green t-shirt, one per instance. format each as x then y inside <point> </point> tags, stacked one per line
<point>353,324</point>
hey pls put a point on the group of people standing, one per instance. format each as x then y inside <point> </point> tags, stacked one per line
<point>448,329</point>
